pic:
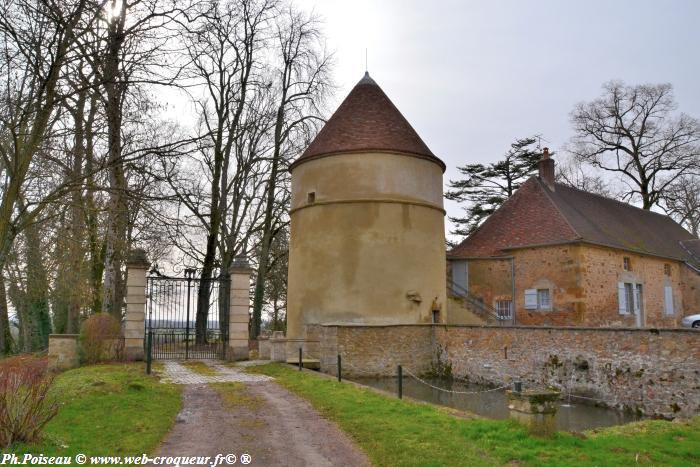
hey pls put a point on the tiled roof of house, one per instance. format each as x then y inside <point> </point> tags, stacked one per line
<point>367,120</point>
<point>606,221</point>
<point>526,218</point>
<point>538,215</point>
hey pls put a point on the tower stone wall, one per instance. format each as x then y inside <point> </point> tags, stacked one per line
<point>367,239</point>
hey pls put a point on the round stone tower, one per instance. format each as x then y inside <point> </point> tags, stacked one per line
<point>367,221</point>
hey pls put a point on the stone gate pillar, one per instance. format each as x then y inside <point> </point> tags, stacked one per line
<point>239,307</point>
<point>135,318</point>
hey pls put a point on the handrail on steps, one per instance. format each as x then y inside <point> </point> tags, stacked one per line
<point>490,312</point>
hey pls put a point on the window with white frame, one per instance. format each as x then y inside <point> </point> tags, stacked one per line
<point>538,299</point>
<point>629,296</point>
<point>544,300</point>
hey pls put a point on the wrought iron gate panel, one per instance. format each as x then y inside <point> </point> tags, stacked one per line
<point>173,304</point>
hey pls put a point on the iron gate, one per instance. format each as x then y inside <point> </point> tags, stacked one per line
<point>187,316</point>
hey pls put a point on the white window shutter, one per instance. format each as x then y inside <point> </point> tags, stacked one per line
<point>668,300</point>
<point>531,299</point>
<point>621,298</point>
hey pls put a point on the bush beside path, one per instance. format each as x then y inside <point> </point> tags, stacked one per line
<point>110,409</point>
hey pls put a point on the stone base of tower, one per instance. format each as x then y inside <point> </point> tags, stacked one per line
<point>366,263</point>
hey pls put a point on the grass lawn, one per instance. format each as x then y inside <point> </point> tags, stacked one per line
<point>395,432</point>
<point>111,409</point>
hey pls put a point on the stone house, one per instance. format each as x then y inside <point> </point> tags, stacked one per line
<point>556,255</point>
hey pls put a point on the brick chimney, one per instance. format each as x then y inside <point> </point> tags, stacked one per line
<point>546,167</point>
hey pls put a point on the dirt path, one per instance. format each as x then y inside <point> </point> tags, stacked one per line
<point>262,419</point>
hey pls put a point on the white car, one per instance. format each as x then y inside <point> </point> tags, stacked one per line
<point>691,321</point>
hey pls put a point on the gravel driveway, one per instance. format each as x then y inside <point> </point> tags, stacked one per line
<point>267,422</point>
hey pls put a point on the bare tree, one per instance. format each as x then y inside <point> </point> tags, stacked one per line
<point>574,173</point>
<point>224,51</point>
<point>302,81</point>
<point>36,39</point>
<point>130,46</point>
<point>682,202</point>
<point>633,131</point>
<point>70,252</point>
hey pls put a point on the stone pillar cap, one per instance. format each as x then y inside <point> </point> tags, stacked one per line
<point>240,264</point>
<point>138,257</point>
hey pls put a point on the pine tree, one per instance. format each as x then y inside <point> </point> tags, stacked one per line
<point>486,187</point>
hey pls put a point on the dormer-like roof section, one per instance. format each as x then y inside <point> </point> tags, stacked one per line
<point>367,120</point>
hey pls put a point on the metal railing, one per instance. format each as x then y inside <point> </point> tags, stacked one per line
<point>188,317</point>
<point>478,306</point>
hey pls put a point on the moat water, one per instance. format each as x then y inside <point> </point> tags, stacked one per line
<point>573,416</point>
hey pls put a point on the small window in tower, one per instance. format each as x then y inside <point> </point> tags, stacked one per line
<point>627,266</point>
<point>311,197</point>
<point>667,269</point>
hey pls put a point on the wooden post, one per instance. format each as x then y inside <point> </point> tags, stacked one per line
<point>400,376</point>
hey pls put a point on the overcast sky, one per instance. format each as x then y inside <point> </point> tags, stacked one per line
<point>471,76</point>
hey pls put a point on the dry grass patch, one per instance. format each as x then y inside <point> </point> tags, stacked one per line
<point>236,395</point>
<point>199,368</point>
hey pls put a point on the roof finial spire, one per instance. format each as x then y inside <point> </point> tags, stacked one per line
<point>366,66</point>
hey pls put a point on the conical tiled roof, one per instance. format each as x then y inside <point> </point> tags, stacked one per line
<point>367,120</point>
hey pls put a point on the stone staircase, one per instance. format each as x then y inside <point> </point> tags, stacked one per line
<point>466,308</point>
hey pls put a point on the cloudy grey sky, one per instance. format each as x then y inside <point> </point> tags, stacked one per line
<point>471,76</point>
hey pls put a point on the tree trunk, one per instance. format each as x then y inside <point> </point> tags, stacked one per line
<point>264,259</point>
<point>205,281</point>
<point>17,298</point>
<point>5,335</point>
<point>96,248</point>
<point>75,246</point>
<point>69,283</point>
<point>37,292</point>
<point>115,242</point>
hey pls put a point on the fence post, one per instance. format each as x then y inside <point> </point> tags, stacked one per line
<point>400,377</point>
<point>135,318</point>
<point>239,306</point>
<point>340,370</point>
<point>149,352</point>
<point>300,361</point>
